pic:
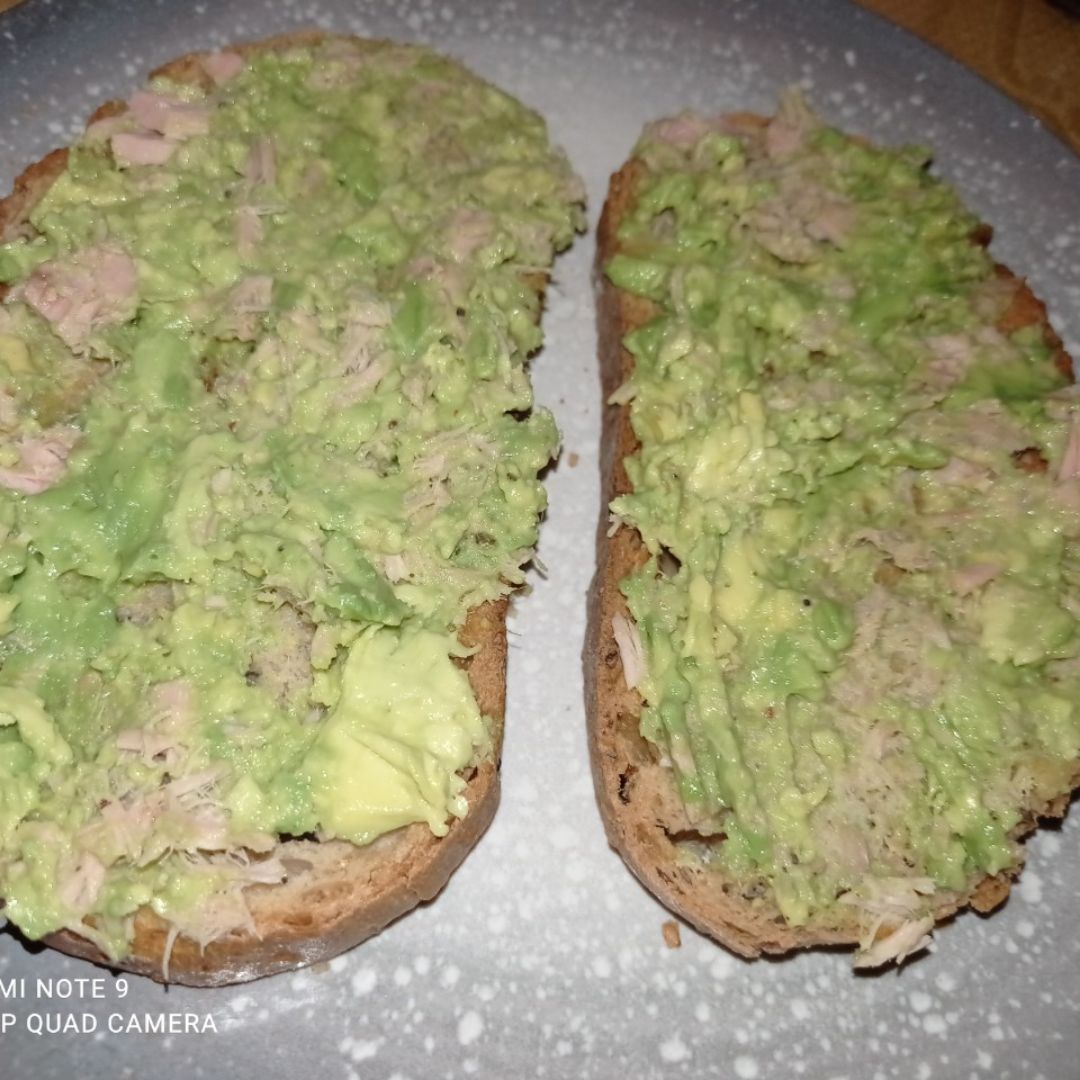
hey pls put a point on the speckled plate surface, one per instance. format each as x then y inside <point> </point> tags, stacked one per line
<point>543,956</point>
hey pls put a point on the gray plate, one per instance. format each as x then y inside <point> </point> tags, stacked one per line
<point>543,955</point>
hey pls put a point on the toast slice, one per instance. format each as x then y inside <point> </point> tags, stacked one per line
<point>331,893</point>
<point>672,843</point>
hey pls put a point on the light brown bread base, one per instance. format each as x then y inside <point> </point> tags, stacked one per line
<point>337,894</point>
<point>643,815</point>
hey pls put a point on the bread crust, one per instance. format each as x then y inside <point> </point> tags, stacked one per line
<point>641,809</point>
<point>337,894</point>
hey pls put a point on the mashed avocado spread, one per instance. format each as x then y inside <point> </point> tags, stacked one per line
<point>859,485</point>
<point>265,438</point>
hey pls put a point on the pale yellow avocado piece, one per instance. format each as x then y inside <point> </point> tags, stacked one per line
<point>406,722</point>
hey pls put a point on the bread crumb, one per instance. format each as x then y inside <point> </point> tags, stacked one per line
<point>573,459</point>
<point>670,930</point>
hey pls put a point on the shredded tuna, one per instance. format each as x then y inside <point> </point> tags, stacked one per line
<point>146,604</point>
<point>252,294</point>
<point>432,466</point>
<point>172,711</point>
<point>80,885</point>
<point>881,740</point>
<point>89,291</point>
<point>227,910</point>
<point>168,116</point>
<point>959,472</point>
<point>682,131</point>
<point>983,431</point>
<point>779,231</point>
<point>313,179</point>
<point>801,217</point>
<point>449,279</point>
<point>898,926</point>
<point>147,744</point>
<point>220,914</point>
<point>267,871</point>
<point>182,815</point>
<point>197,784</point>
<point>360,342</point>
<point>426,500</point>
<point>300,329</point>
<point>631,651</point>
<point>249,231</point>
<point>1070,460</point>
<point>205,828</point>
<point>283,666</point>
<point>106,127</point>
<point>359,385</point>
<point>221,482</point>
<point>395,568</point>
<point>898,943</point>
<point>846,846</point>
<point>869,615</point>
<point>261,167</point>
<point>459,441</point>
<point>949,519</point>
<point>952,355</point>
<point>369,314</point>
<point>615,523</point>
<point>134,148</point>
<point>786,133</point>
<point>470,229</point>
<point>416,389</point>
<point>833,223</point>
<point>122,829</point>
<point>166,953</point>
<point>9,410</point>
<point>969,579</point>
<point>42,461</point>
<point>248,300</point>
<point>906,553</point>
<point>889,655</point>
<point>992,336</point>
<point>222,66</point>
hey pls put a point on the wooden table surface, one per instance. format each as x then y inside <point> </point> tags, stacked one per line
<point>1028,48</point>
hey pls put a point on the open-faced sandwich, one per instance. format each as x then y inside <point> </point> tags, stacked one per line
<point>268,471</point>
<point>833,671</point>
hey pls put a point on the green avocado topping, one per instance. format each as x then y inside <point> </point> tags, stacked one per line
<point>266,437</point>
<point>856,635</point>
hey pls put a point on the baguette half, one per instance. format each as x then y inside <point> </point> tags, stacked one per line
<point>336,893</point>
<point>645,819</point>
